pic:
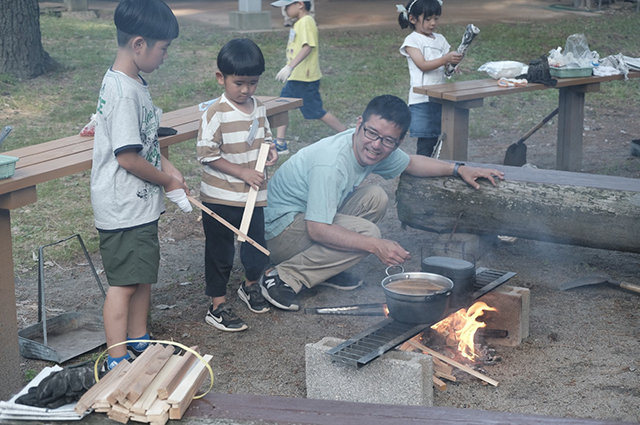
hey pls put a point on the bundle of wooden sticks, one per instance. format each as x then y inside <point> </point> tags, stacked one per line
<point>159,385</point>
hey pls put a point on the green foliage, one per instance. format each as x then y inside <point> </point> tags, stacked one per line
<point>357,65</point>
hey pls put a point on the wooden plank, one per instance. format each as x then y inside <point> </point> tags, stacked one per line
<point>138,369</point>
<point>241,408</point>
<point>69,155</point>
<point>179,370</point>
<point>228,225</point>
<point>253,192</point>
<point>99,388</point>
<point>151,392</point>
<point>454,363</point>
<point>182,397</point>
<point>439,384</point>
<point>158,409</point>
<point>151,371</point>
<point>187,383</point>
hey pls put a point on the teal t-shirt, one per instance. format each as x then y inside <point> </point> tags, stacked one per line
<point>318,179</point>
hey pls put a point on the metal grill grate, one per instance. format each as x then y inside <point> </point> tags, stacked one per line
<point>382,337</point>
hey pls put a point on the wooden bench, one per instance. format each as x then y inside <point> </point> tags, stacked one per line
<point>458,98</point>
<point>58,158</point>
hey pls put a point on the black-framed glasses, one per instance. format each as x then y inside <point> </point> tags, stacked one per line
<point>387,142</point>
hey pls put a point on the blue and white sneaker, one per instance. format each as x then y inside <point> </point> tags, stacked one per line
<point>282,147</point>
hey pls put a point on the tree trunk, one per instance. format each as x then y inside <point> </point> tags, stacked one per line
<point>547,205</point>
<point>21,51</point>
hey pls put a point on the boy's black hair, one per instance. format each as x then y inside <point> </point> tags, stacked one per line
<point>241,57</point>
<point>307,5</point>
<point>389,108</point>
<point>151,19</point>
<point>417,9</point>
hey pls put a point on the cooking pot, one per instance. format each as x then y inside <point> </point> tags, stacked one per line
<point>417,297</point>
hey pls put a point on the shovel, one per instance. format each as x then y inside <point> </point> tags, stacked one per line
<point>516,155</point>
<point>598,279</point>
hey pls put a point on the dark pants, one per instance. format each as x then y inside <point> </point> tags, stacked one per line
<point>220,251</point>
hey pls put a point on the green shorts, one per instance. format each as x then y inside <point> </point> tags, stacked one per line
<point>131,256</point>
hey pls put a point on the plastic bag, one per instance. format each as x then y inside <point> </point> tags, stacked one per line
<point>89,130</point>
<point>506,69</point>
<point>576,54</point>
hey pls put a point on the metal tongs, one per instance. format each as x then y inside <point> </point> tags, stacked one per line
<point>374,309</point>
<point>4,133</point>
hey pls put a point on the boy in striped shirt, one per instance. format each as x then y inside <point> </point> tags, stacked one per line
<point>231,132</point>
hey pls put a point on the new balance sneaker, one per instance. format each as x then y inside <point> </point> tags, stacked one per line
<point>252,297</point>
<point>225,319</point>
<point>278,293</point>
<point>344,281</point>
<point>282,147</point>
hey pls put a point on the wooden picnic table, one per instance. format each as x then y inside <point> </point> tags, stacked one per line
<point>62,157</point>
<point>458,98</point>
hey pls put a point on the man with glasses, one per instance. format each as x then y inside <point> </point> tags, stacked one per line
<point>319,220</point>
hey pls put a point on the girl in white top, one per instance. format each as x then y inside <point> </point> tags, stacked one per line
<point>427,53</point>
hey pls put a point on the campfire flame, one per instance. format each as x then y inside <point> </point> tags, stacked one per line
<point>461,326</point>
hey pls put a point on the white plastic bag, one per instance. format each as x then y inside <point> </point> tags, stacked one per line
<point>506,69</point>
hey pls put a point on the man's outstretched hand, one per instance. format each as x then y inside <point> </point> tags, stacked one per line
<point>471,174</point>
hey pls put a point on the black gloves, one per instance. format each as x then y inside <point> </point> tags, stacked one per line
<point>539,72</point>
<point>62,387</point>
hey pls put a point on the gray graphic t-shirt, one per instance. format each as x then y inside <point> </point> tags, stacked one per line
<point>125,119</point>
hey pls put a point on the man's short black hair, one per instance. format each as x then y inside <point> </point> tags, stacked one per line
<point>151,19</point>
<point>389,108</point>
<point>241,57</point>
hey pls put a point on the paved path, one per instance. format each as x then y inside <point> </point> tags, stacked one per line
<point>331,14</point>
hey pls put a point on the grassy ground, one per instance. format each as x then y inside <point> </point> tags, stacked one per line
<point>357,65</point>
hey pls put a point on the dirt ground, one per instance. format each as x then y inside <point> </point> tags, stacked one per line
<point>580,360</point>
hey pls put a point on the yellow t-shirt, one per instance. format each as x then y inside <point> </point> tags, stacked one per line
<point>304,31</point>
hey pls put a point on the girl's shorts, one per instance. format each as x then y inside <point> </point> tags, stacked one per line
<point>426,119</point>
<point>131,256</point>
<point>309,91</point>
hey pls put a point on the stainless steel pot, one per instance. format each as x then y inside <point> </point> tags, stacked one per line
<point>417,297</point>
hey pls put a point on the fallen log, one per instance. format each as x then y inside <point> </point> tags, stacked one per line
<point>547,205</point>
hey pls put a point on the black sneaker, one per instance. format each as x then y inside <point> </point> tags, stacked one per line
<point>344,281</point>
<point>252,297</point>
<point>224,319</point>
<point>278,293</point>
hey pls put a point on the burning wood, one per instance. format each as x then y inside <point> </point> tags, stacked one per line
<point>460,328</point>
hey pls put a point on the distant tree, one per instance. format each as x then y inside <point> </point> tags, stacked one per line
<point>21,51</point>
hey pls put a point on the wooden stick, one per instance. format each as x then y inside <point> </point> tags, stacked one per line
<point>253,192</point>
<point>228,225</point>
<point>454,363</point>
<point>439,384</point>
<point>171,381</point>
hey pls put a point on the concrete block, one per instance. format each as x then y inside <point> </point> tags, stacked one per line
<point>512,315</point>
<point>397,377</point>
<point>77,5</point>
<point>245,21</point>
<point>249,5</point>
<point>464,246</point>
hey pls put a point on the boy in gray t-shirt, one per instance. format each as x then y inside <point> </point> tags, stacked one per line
<point>129,174</point>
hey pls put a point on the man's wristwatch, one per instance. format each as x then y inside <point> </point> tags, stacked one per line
<point>455,168</point>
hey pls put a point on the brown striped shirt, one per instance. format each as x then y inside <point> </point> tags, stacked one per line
<point>223,133</point>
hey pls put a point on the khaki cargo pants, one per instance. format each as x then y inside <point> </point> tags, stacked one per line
<point>300,261</point>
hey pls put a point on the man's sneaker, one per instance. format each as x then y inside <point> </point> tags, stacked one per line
<point>225,319</point>
<point>278,293</point>
<point>344,281</point>
<point>252,297</point>
<point>282,147</point>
